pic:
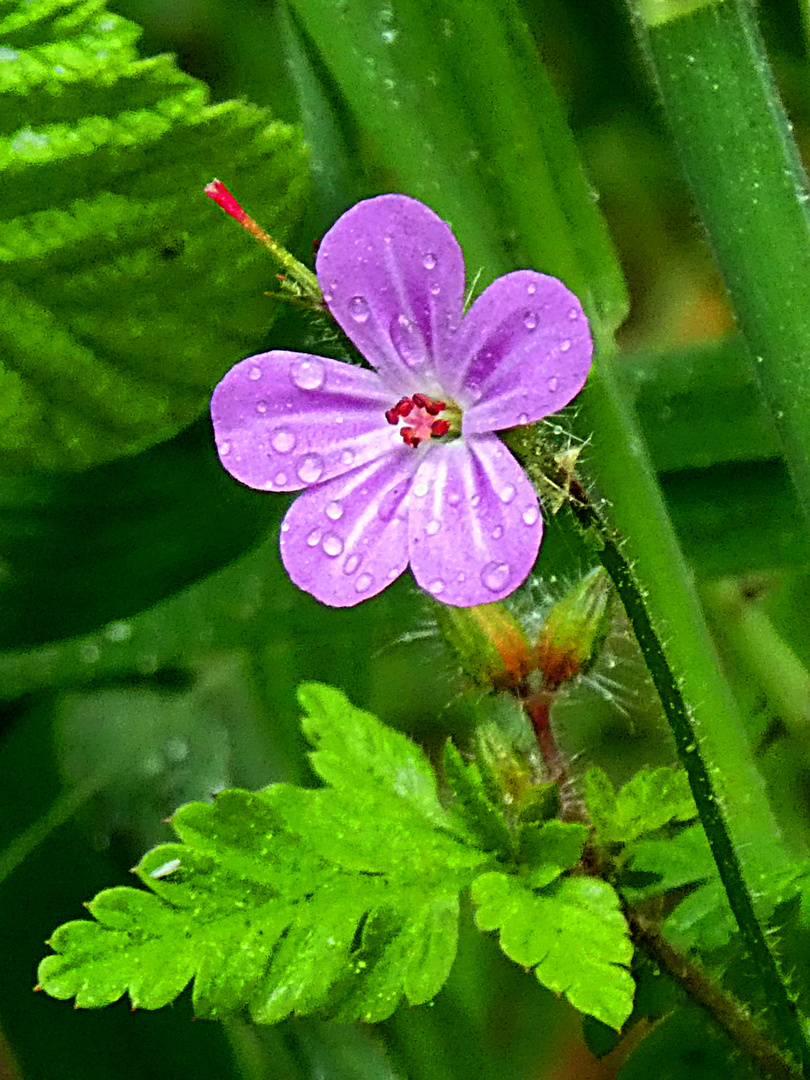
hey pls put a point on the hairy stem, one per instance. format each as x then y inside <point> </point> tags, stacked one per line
<point>732,1017</point>
<point>780,1008</point>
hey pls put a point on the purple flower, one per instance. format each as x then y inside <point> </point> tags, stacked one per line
<point>400,464</point>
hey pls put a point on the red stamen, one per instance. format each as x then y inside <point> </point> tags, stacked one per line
<point>439,427</point>
<point>217,191</point>
<point>435,407</point>
<point>420,400</point>
<point>410,436</point>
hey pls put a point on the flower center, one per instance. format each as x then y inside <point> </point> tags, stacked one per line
<point>424,418</point>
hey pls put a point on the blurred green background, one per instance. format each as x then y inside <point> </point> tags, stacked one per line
<point>152,642</point>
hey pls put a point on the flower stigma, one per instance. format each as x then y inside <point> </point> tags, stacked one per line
<point>426,418</point>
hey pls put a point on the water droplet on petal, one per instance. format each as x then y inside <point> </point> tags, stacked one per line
<point>334,511</point>
<point>261,407</point>
<point>495,576</point>
<point>531,289</point>
<point>283,441</point>
<point>310,468</point>
<point>224,449</point>
<point>280,479</point>
<point>475,500</point>
<point>255,373</point>
<point>407,339</point>
<point>553,383</point>
<point>347,457</point>
<point>523,418</point>
<point>363,583</point>
<point>454,498</point>
<point>435,288</point>
<point>436,586</point>
<point>461,578</point>
<point>565,345</point>
<point>420,489</point>
<point>531,514</point>
<point>497,532</point>
<point>530,320</point>
<point>314,538</point>
<point>429,261</point>
<point>285,526</point>
<point>432,527</point>
<point>359,309</point>
<point>309,374</point>
<point>507,494</point>
<point>332,545</point>
<point>351,564</point>
<point>573,313</point>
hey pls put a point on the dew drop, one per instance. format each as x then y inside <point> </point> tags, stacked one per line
<point>359,309</point>
<point>255,373</point>
<point>224,449</point>
<point>314,538</point>
<point>310,468</point>
<point>285,526</point>
<point>432,527</point>
<point>436,586</point>
<point>351,564</point>
<point>332,545</point>
<point>461,578</point>
<point>334,511</point>
<point>553,383</point>
<point>523,418</point>
<point>261,407</point>
<point>308,374</point>
<point>573,313</point>
<point>495,576</point>
<point>435,288</point>
<point>429,261</point>
<point>475,500</point>
<point>530,320</point>
<point>530,515</point>
<point>507,494</point>
<point>280,479</point>
<point>407,339</point>
<point>454,498</point>
<point>363,583</point>
<point>283,441</point>
<point>565,345</point>
<point>531,289</point>
<point>420,489</point>
<point>347,457</point>
<point>497,532</point>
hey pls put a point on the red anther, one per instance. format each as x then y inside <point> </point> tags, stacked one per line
<point>392,415</point>
<point>439,428</point>
<point>405,405</point>
<point>433,408</point>
<point>421,400</point>
<point>410,437</point>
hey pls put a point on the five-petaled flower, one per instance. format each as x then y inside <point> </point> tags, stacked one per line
<point>400,464</point>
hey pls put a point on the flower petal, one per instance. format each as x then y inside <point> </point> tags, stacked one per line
<point>286,420</point>
<point>392,275</point>
<point>346,540</point>
<point>474,522</point>
<point>528,350</point>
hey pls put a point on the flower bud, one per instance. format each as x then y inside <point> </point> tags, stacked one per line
<point>574,630</point>
<point>489,643</point>
<point>511,778</point>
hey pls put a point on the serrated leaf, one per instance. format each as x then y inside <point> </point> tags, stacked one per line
<point>472,807</point>
<point>125,295</point>
<point>551,848</point>
<point>652,799</point>
<point>341,900</point>
<point>572,933</point>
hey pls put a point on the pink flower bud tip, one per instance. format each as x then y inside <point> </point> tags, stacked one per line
<point>217,191</point>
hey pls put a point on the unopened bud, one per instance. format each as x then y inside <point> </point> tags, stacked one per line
<point>510,776</point>
<point>489,643</point>
<point>574,630</point>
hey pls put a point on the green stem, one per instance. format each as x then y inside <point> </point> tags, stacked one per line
<point>784,1016</point>
<point>739,156</point>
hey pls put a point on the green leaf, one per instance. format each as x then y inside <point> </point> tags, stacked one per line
<point>551,848</point>
<point>125,294</point>
<point>473,808</point>
<point>341,900</point>
<point>572,933</point>
<point>653,798</point>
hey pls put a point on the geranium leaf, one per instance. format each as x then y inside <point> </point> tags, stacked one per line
<point>572,933</point>
<point>342,900</point>
<point>125,295</point>
<point>652,799</point>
